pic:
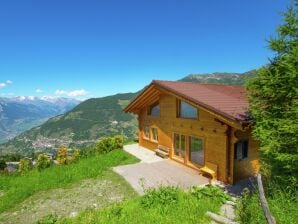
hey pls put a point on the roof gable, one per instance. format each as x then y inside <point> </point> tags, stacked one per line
<point>228,101</point>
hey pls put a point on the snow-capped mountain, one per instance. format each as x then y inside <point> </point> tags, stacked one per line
<point>18,114</point>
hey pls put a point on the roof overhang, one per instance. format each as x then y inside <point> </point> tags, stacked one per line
<point>150,94</point>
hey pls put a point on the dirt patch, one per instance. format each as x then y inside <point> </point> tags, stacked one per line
<point>67,202</point>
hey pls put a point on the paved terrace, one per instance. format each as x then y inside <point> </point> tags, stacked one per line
<point>153,171</point>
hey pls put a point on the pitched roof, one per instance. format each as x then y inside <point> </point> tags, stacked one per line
<point>228,101</point>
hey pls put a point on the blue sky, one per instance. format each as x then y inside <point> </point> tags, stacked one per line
<point>91,48</point>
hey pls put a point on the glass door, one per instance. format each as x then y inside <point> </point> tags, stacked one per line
<point>196,151</point>
<point>179,146</point>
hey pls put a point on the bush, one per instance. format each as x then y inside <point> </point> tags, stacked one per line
<point>108,144</point>
<point>76,155</point>
<point>161,196</point>
<point>25,165</point>
<point>43,162</point>
<point>62,156</point>
<point>215,193</point>
<point>2,164</point>
<point>118,142</point>
<point>88,151</point>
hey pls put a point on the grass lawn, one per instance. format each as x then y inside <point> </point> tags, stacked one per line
<point>15,188</point>
<point>166,205</point>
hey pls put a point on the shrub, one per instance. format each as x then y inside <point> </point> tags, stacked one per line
<point>118,142</point>
<point>43,161</point>
<point>2,164</point>
<point>88,151</point>
<point>25,165</point>
<point>75,155</point>
<point>215,193</point>
<point>161,196</point>
<point>108,144</point>
<point>105,145</point>
<point>62,156</point>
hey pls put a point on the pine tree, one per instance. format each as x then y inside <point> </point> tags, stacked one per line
<point>273,96</point>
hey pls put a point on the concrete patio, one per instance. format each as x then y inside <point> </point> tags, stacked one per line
<point>154,171</point>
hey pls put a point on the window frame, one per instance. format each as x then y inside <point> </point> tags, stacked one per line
<point>152,134</point>
<point>146,127</point>
<point>149,110</point>
<point>241,153</point>
<point>178,110</point>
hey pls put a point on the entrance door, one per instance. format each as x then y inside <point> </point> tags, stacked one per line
<point>196,151</point>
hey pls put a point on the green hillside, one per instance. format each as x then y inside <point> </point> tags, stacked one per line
<point>84,125</point>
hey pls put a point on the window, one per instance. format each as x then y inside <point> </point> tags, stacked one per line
<point>146,132</point>
<point>196,151</point>
<point>241,149</point>
<point>186,110</point>
<point>154,132</point>
<point>154,109</point>
<point>179,145</point>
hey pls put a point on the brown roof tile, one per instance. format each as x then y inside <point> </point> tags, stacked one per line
<point>229,101</point>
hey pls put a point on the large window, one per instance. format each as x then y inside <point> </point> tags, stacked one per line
<point>241,149</point>
<point>196,151</point>
<point>186,110</point>
<point>154,132</point>
<point>179,145</point>
<point>146,132</point>
<point>154,109</point>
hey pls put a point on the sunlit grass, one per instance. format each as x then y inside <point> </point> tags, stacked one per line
<point>15,188</point>
<point>184,208</point>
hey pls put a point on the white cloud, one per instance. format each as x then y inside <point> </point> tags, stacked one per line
<point>74,93</point>
<point>38,90</point>
<point>2,85</point>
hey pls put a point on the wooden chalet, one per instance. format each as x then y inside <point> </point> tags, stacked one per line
<point>203,126</point>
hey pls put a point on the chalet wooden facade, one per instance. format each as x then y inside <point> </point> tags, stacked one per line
<point>204,126</point>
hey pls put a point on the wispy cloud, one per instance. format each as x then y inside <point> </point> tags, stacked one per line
<point>73,93</point>
<point>2,85</point>
<point>38,90</point>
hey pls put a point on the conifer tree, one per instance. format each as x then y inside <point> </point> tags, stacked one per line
<point>273,96</point>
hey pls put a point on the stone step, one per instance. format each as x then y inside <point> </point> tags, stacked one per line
<point>231,203</point>
<point>228,211</point>
<point>220,219</point>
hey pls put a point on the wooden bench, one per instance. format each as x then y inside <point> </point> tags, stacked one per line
<point>210,169</point>
<point>162,151</point>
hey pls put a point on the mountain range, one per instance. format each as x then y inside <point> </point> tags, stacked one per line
<point>92,119</point>
<point>220,78</point>
<point>19,114</point>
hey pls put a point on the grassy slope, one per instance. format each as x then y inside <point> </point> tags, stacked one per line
<point>16,188</point>
<point>187,209</point>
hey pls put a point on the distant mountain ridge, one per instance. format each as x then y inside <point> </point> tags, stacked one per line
<point>83,125</point>
<point>21,113</point>
<point>95,118</point>
<point>220,78</point>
